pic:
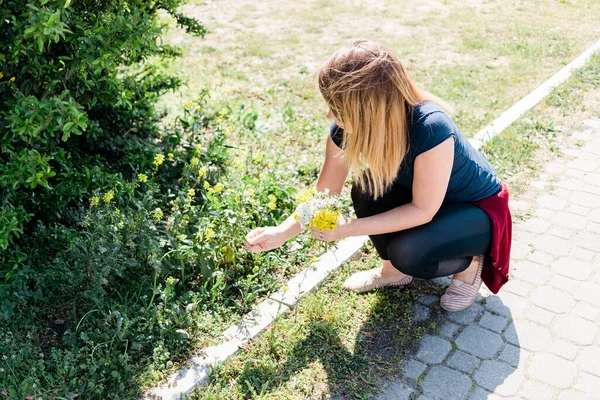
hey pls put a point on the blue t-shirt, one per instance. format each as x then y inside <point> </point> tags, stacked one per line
<point>472,177</point>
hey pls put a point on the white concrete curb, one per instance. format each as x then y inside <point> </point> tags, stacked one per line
<point>183,381</point>
<point>531,100</point>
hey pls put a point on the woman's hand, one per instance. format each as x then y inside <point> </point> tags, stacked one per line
<point>329,235</point>
<point>264,239</point>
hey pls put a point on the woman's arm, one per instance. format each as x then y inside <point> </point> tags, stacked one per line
<point>334,171</point>
<point>430,181</point>
<point>332,176</point>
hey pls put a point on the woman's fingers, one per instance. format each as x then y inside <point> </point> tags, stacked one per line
<point>254,233</point>
<point>256,238</point>
<point>254,248</point>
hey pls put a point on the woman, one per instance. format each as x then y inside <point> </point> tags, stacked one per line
<point>431,204</point>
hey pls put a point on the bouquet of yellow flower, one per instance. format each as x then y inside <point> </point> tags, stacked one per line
<point>317,210</point>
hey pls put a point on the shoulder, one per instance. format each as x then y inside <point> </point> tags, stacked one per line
<point>430,116</point>
<point>430,125</point>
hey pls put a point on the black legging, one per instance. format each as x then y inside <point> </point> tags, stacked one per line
<point>444,246</point>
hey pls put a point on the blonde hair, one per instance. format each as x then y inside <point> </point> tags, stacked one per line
<point>367,85</point>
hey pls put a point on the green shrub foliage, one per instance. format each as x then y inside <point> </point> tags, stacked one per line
<point>121,235</point>
<point>77,93</point>
<point>153,268</point>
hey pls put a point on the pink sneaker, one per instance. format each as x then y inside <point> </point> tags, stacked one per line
<point>461,295</point>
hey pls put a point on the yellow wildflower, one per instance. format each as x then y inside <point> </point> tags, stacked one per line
<point>325,219</point>
<point>194,162</point>
<point>12,79</point>
<point>191,192</point>
<point>108,196</point>
<point>170,156</point>
<point>158,160</point>
<point>143,177</point>
<point>170,281</point>
<point>95,200</point>
<point>258,157</point>
<point>157,214</point>
<point>202,172</point>
<point>238,163</point>
<point>224,249</point>
<point>223,112</point>
<point>250,192</point>
<point>306,195</point>
<point>198,148</point>
<point>218,187</point>
<point>181,237</point>
<point>206,185</point>
<point>209,234</point>
<point>272,202</point>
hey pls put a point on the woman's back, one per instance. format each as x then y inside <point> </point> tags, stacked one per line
<point>472,177</point>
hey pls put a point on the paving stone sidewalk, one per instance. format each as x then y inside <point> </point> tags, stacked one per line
<point>539,338</point>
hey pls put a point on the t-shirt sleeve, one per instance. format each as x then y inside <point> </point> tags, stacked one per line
<point>434,129</point>
<point>337,134</point>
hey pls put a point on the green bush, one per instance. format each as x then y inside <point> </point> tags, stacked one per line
<point>154,268</point>
<point>77,91</point>
<point>120,235</point>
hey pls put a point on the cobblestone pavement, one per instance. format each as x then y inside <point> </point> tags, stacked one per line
<point>539,338</point>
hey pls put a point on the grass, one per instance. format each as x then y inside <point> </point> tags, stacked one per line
<point>569,97</point>
<point>514,151</point>
<point>343,344</point>
<point>334,343</point>
<point>480,56</point>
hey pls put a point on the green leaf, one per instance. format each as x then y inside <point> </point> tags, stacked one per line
<point>68,127</point>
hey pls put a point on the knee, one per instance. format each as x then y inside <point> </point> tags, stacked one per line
<point>401,265</point>
<point>404,258</point>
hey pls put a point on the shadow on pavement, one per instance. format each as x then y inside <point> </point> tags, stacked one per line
<point>473,353</point>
